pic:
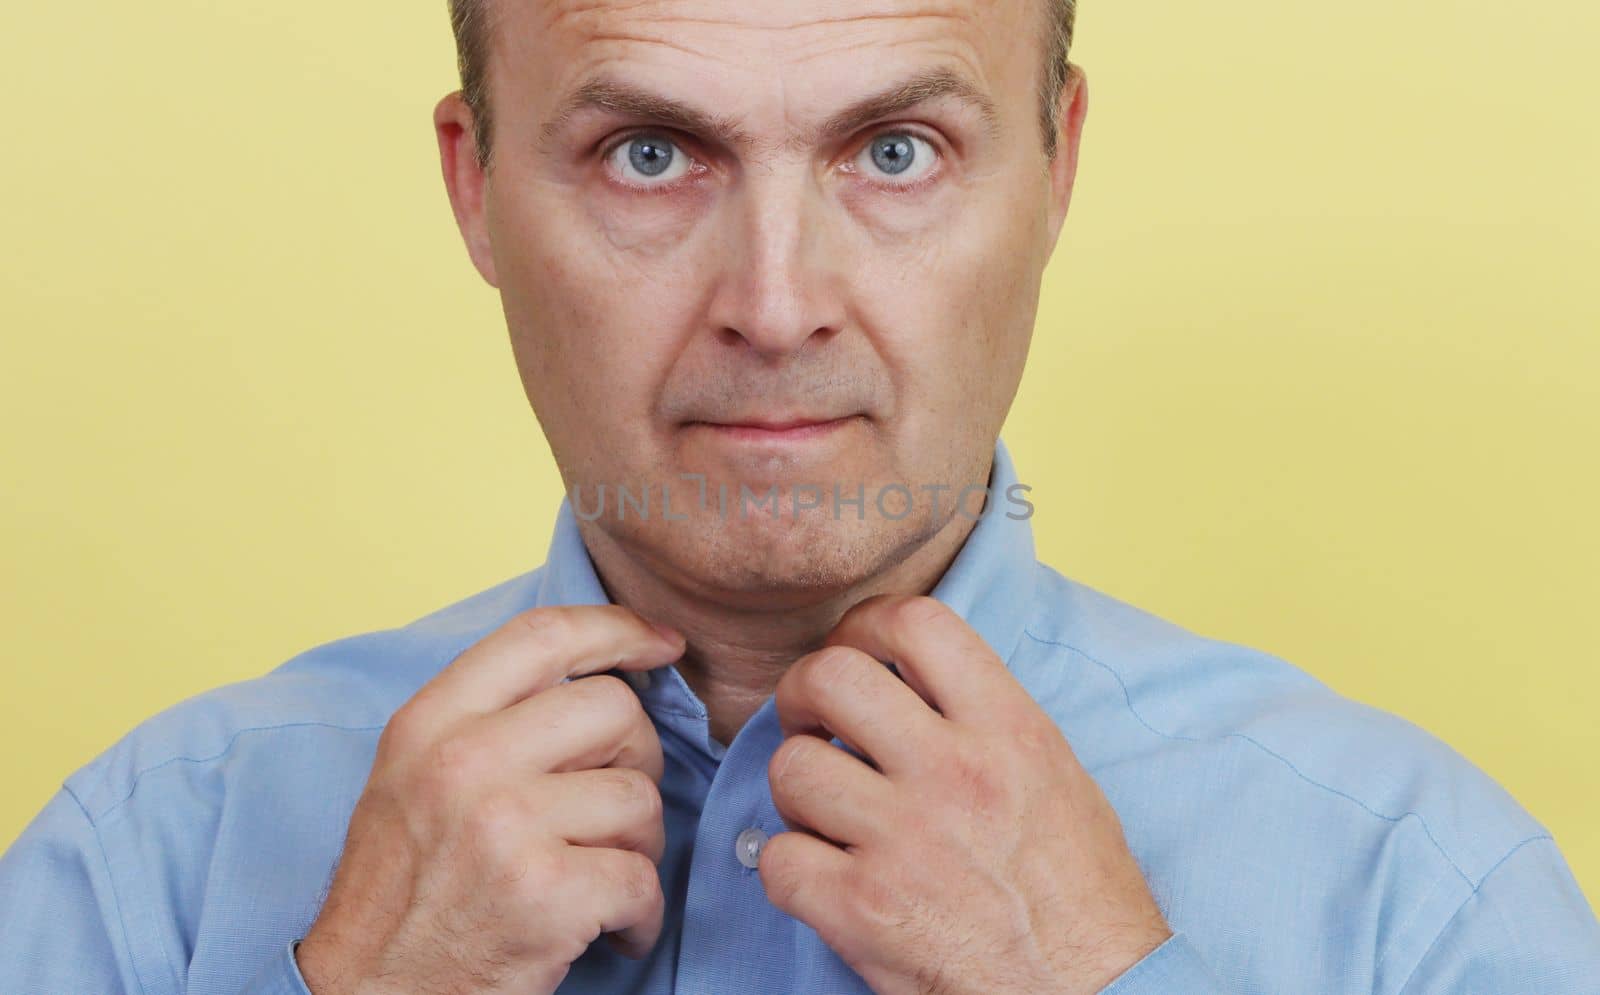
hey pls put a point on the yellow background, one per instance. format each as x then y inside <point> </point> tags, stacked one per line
<point>1314,370</point>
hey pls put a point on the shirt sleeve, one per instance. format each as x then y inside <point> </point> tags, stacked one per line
<point>1175,966</point>
<point>280,975</point>
<point>60,927</point>
<point>1526,928</point>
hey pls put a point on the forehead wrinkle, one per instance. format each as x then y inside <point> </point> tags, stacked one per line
<point>591,10</point>
<point>605,92</point>
<point>596,21</point>
<point>919,88</point>
<point>557,13</point>
<point>608,93</point>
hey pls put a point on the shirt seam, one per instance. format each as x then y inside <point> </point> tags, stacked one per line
<point>137,777</point>
<point>448,658</point>
<point>1462,907</point>
<point>116,898</point>
<point>1402,929</point>
<point>1128,699</point>
<point>1036,595</point>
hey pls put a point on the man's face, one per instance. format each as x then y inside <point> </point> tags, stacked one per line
<point>756,265</point>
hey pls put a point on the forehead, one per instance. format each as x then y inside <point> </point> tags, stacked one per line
<point>777,65</point>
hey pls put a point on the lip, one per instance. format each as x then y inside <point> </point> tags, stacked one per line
<point>778,430</point>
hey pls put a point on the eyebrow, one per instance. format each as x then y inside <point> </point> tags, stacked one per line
<point>605,93</point>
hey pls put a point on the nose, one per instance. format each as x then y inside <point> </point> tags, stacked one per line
<point>778,283</point>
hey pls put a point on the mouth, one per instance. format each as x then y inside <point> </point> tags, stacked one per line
<point>787,429</point>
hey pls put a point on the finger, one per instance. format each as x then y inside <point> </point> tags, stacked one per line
<point>619,891</point>
<point>596,722</point>
<point>820,788</point>
<point>841,691</point>
<point>936,652</point>
<point>532,652</point>
<point>610,808</point>
<point>804,877</point>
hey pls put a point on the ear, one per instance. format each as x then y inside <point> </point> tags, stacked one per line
<point>1069,132</point>
<point>464,179</point>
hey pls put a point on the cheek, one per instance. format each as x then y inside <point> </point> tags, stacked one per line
<point>1001,268</point>
<point>950,306</point>
<point>646,231</point>
<point>592,328</point>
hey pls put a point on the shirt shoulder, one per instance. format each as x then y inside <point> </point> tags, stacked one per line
<point>237,797</point>
<point>352,684</point>
<point>1156,688</point>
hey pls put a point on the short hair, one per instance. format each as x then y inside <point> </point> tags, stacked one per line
<point>472,22</point>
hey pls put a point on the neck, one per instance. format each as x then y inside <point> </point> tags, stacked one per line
<point>736,655</point>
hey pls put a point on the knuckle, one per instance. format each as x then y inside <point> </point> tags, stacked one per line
<point>782,768</point>
<point>918,612</point>
<point>548,624</point>
<point>784,757</point>
<point>492,823</point>
<point>638,879</point>
<point>609,693</point>
<point>613,702</point>
<point>869,606</point>
<point>402,734</point>
<point>832,666</point>
<point>528,880</point>
<point>874,900</point>
<point>1036,736</point>
<point>978,786</point>
<point>634,791</point>
<point>494,815</point>
<point>454,761</point>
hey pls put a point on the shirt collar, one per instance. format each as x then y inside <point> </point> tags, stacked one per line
<point>990,583</point>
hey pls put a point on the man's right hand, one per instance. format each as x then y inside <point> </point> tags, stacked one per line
<point>509,820</point>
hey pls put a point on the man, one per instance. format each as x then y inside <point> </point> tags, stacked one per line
<point>770,273</point>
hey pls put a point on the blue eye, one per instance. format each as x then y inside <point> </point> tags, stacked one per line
<point>649,157</point>
<point>901,155</point>
<point>648,161</point>
<point>893,154</point>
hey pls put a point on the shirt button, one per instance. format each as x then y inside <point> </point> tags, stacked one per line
<point>748,846</point>
<point>638,679</point>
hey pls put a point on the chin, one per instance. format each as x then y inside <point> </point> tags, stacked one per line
<point>813,553</point>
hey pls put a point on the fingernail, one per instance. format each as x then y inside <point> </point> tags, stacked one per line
<point>668,633</point>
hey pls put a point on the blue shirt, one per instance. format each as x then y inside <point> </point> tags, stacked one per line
<point>1296,840</point>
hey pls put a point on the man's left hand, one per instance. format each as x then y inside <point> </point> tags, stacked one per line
<point>969,852</point>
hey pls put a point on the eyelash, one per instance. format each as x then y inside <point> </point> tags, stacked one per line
<point>695,172</point>
<point>933,175</point>
<point>699,169</point>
